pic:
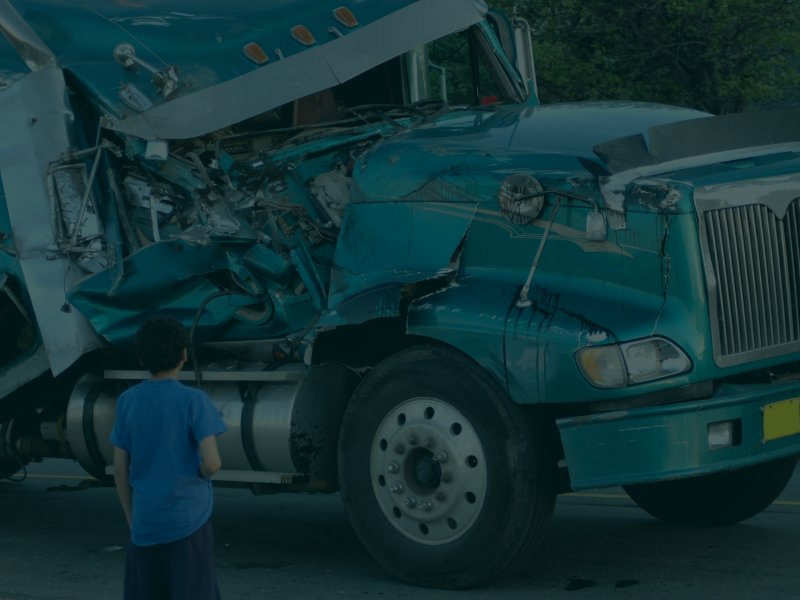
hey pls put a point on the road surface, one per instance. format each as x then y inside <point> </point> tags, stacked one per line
<point>61,539</point>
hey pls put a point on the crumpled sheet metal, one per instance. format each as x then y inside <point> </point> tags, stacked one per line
<point>26,152</point>
<point>165,277</point>
<point>422,245</point>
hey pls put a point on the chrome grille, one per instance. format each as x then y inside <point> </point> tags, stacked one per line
<point>753,274</point>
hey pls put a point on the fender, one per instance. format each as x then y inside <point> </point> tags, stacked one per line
<point>527,350</point>
<point>470,315</point>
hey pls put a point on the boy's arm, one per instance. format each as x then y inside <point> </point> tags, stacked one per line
<point>122,462</point>
<point>210,462</point>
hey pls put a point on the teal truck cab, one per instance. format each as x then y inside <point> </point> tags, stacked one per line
<point>405,280</point>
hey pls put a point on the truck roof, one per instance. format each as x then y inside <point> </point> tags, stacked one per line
<point>228,61</point>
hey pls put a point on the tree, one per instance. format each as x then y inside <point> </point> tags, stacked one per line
<point>715,55</point>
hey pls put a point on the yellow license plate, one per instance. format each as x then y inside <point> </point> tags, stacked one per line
<point>781,419</point>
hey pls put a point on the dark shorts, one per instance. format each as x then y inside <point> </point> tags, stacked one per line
<point>180,570</point>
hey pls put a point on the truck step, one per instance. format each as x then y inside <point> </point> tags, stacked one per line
<point>213,375</point>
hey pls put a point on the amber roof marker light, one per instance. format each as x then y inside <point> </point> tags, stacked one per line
<point>302,34</point>
<point>255,53</point>
<point>345,16</point>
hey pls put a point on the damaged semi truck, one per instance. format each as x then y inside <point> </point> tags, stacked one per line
<point>405,280</point>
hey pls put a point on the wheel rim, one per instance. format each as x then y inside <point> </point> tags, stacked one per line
<point>428,471</point>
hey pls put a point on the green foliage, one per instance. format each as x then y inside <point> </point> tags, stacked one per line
<point>715,55</point>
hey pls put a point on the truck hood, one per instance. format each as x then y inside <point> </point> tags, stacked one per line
<point>556,138</point>
<point>190,73</point>
<point>570,129</point>
<point>616,142</point>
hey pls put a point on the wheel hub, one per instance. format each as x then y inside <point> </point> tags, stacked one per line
<point>427,473</point>
<point>428,469</point>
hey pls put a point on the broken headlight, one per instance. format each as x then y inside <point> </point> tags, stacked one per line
<point>620,365</point>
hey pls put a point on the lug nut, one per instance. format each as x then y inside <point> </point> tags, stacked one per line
<point>393,468</point>
<point>412,440</point>
<point>440,457</point>
<point>397,488</point>
<point>427,505</point>
<point>430,443</point>
<point>411,502</point>
<point>399,449</point>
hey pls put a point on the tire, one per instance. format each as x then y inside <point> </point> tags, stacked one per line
<point>8,469</point>
<point>446,483</point>
<point>718,499</point>
<point>10,463</point>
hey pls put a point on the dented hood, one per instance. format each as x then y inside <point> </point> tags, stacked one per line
<point>171,70</point>
<point>558,138</point>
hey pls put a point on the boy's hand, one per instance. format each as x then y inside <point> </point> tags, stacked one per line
<point>210,462</point>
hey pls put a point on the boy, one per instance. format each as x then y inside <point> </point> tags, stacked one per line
<point>165,450</point>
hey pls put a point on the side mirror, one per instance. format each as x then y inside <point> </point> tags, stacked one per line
<point>504,31</point>
<point>514,34</point>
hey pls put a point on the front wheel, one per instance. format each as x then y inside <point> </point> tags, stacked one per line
<point>717,499</point>
<point>446,482</point>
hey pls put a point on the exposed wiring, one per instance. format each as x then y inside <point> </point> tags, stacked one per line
<point>198,377</point>
<point>197,315</point>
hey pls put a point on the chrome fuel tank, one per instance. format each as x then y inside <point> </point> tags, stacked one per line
<point>282,424</point>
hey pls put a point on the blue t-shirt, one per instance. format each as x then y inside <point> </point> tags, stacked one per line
<point>160,423</point>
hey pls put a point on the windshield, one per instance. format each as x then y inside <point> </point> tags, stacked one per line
<point>464,69</point>
<point>460,69</point>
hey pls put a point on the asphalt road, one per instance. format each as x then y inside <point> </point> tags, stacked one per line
<point>60,540</point>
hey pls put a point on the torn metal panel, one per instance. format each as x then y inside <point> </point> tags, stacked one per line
<point>165,276</point>
<point>28,44</point>
<point>27,369</point>
<point>383,300</point>
<point>33,133</point>
<point>422,243</point>
<point>22,356</point>
<point>293,77</point>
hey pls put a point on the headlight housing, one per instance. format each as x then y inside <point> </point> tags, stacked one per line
<point>621,365</point>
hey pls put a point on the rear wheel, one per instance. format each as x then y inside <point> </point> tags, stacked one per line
<point>718,499</point>
<point>445,481</point>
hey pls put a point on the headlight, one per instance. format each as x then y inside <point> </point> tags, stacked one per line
<point>619,365</point>
<point>603,366</point>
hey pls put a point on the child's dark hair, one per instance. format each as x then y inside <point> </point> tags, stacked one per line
<point>160,343</point>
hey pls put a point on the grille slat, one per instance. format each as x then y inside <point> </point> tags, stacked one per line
<point>769,283</point>
<point>781,327</point>
<point>747,278</point>
<point>724,255</point>
<point>793,254</point>
<point>754,278</point>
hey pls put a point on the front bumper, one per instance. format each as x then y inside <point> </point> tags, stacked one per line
<point>668,442</point>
